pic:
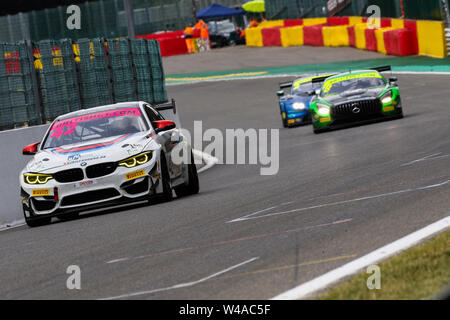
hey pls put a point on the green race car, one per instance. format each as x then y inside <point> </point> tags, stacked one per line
<point>355,97</point>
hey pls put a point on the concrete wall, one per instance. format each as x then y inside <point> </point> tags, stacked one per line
<point>12,162</point>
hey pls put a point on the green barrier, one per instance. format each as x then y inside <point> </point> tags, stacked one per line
<point>17,106</point>
<point>93,72</point>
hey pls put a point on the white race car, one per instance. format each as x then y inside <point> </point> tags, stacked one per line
<point>105,156</point>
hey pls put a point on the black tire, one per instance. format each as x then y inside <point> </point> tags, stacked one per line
<point>317,131</point>
<point>68,216</point>
<point>193,186</point>
<point>34,222</point>
<point>166,195</point>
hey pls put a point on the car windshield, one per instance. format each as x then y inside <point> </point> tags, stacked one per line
<point>304,88</point>
<point>93,126</point>
<point>352,83</point>
<point>221,26</point>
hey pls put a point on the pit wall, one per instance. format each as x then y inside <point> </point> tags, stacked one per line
<point>396,37</point>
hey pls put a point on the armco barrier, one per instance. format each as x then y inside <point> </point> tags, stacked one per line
<point>292,36</point>
<point>400,42</point>
<point>271,37</point>
<point>293,22</point>
<point>253,37</point>
<point>313,35</point>
<point>431,38</point>
<point>314,21</point>
<point>360,35</point>
<point>351,36</point>
<point>422,37</point>
<point>335,36</point>
<point>379,34</point>
<point>371,40</point>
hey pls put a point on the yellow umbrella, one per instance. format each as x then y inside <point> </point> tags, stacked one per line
<point>254,6</point>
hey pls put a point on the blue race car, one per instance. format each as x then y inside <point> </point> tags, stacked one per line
<point>294,106</point>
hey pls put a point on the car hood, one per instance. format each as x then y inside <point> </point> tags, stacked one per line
<point>355,95</point>
<point>83,154</point>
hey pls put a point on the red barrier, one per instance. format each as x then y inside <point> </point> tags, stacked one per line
<point>400,42</point>
<point>170,47</point>
<point>386,22</point>
<point>293,22</point>
<point>338,21</point>
<point>371,40</point>
<point>271,37</point>
<point>351,36</point>
<point>161,35</point>
<point>412,25</point>
<point>313,35</point>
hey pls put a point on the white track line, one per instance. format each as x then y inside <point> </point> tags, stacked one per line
<point>181,285</point>
<point>209,160</point>
<point>252,216</point>
<point>307,289</point>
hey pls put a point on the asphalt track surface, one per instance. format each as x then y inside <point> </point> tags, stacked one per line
<point>337,196</point>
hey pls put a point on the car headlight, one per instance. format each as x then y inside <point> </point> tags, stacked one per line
<point>323,110</point>
<point>136,160</point>
<point>37,178</point>
<point>387,98</point>
<point>298,105</point>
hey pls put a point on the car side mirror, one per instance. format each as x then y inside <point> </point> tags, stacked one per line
<point>393,80</point>
<point>164,125</point>
<point>280,93</point>
<point>31,149</point>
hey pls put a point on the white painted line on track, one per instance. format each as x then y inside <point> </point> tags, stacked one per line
<point>181,285</point>
<point>433,156</point>
<point>252,216</point>
<point>324,281</point>
<point>209,160</point>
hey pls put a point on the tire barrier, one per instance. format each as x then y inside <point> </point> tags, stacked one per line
<point>397,37</point>
<point>40,81</point>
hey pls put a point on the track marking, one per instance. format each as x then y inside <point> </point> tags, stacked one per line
<point>326,280</point>
<point>181,285</point>
<point>220,243</point>
<point>252,216</point>
<point>209,160</point>
<point>292,266</point>
<point>433,156</point>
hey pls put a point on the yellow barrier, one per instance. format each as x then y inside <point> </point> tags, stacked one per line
<point>360,35</point>
<point>379,34</point>
<point>314,21</point>
<point>292,36</point>
<point>253,37</point>
<point>354,20</point>
<point>271,24</point>
<point>336,36</point>
<point>431,37</point>
<point>397,23</point>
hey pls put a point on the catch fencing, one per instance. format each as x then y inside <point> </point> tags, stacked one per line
<point>40,81</point>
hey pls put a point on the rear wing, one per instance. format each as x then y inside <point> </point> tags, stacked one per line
<point>382,69</point>
<point>284,85</point>
<point>170,105</point>
<point>322,78</point>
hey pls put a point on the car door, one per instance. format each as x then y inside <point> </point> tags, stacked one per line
<point>165,139</point>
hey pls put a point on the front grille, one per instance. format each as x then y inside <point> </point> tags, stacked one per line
<point>135,188</point>
<point>43,205</point>
<point>89,196</point>
<point>366,108</point>
<point>70,175</point>
<point>101,169</point>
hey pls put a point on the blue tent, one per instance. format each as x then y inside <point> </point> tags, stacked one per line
<point>218,11</point>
